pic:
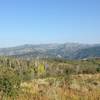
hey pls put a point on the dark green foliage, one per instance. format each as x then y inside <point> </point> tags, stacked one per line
<point>98,69</point>
<point>9,82</point>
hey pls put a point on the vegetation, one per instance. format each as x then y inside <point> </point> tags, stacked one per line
<point>66,50</point>
<point>49,79</point>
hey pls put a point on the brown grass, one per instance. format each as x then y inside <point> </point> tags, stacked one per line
<point>40,89</point>
<point>83,87</point>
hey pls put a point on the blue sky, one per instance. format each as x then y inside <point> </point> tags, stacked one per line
<point>49,21</point>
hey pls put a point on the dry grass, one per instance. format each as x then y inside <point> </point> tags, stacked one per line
<point>83,87</point>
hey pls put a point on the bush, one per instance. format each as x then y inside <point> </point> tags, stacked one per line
<point>98,69</point>
<point>9,82</point>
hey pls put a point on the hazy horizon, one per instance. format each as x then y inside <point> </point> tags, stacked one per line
<point>10,46</point>
<point>49,21</point>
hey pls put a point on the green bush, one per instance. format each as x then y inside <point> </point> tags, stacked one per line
<point>98,69</point>
<point>9,82</point>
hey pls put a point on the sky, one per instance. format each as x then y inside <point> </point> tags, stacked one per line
<point>49,21</point>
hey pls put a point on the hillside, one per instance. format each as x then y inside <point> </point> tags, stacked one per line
<point>67,50</point>
<point>49,79</point>
<point>88,52</point>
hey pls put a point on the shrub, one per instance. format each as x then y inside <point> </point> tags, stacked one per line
<point>9,82</point>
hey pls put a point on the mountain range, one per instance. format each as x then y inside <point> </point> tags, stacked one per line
<point>66,50</point>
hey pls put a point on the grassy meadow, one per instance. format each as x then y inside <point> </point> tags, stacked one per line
<point>49,79</point>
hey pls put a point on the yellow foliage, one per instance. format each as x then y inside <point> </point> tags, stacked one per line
<point>41,69</point>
